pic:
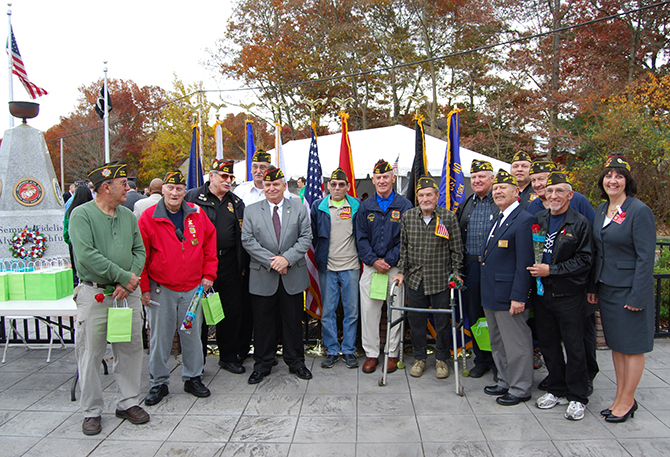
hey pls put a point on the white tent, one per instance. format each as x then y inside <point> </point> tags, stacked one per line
<point>367,147</point>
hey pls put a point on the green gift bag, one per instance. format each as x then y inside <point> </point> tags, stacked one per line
<point>212,308</point>
<point>68,287</point>
<point>379,286</point>
<point>64,282</point>
<point>16,285</point>
<point>4,288</point>
<point>42,285</point>
<point>481,333</point>
<point>119,323</point>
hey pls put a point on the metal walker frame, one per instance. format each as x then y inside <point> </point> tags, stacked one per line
<point>455,327</point>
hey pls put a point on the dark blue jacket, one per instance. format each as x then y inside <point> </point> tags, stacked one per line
<point>320,215</point>
<point>504,276</point>
<point>378,233</point>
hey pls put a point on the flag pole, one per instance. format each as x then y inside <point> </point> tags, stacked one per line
<point>10,65</point>
<point>106,116</point>
<point>62,173</point>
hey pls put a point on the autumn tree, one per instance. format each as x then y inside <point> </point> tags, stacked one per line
<point>634,123</point>
<point>173,131</point>
<point>131,124</point>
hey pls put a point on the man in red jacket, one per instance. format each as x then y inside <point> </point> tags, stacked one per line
<point>180,242</point>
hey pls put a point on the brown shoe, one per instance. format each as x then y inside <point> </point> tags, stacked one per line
<point>134,414</point>
<point>91,426</point>
<point>393,364</point>
<point>370,365</point>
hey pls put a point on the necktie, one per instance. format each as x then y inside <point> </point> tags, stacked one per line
<point>495,227</point>
<point>276,222</point>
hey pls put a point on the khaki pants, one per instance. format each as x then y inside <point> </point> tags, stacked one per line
<point>91,345</point>
<point>371,314</point>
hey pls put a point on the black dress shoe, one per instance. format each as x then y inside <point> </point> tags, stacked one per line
<point>606,412</point>
<point>589,388</point>
<point>543,384</point>
<point>256,377</point>
<point>510,400</point>
<point>478,371</point>
<point>232,367</point>
<point>619,419</point>
<point>495,390</point>
<point>156,394</point>
<point>302,372</point>
<point>196,387</point>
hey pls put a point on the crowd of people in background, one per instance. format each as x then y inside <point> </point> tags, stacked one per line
<point>524,240</point>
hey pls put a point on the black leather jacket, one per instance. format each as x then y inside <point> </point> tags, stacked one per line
<point>208,202</point>
<point>571,257</point>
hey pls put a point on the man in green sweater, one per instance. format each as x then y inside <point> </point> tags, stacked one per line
<point>109,255</point>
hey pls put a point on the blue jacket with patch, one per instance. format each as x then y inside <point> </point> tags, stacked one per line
<point>320,215</point>
<point>378,232</point>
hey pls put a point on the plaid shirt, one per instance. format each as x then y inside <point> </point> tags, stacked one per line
<point>480,224</point>
<point>426,257</point>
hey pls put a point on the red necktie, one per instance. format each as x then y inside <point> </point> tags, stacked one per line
<point>276,222</point>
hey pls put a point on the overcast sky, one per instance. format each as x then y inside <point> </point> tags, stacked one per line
<point>64,44</point>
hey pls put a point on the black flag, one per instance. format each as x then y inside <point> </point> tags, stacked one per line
<point>100,104</point>
<point>419,164</point>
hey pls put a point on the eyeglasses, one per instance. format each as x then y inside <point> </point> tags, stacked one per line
<point>179,190</point>
<point>259,167</point>
<point>227,176</point>
<point>337,184</point>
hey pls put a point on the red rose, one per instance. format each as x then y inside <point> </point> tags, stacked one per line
<point>536,228</point>
<point>99,298</point>
<point>452,285</point>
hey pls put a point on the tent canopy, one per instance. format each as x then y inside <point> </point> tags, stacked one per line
<point>367,147</point>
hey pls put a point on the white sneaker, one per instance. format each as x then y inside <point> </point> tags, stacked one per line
<point>575,411</point>
<point>548,401</point>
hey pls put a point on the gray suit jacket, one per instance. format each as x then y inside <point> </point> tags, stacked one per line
<point>624,253</point>
<point>260,241</point>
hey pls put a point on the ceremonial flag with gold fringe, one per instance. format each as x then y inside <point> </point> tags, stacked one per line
<point>194,178</point>
<point>218,139</point>
<point>250,147</point>
<point>313,192</point>
<point>420,164</point>
<point>453,194</point>
<point>279,150</point>
<point>346,161</point>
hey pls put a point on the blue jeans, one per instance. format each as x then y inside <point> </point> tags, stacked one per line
<point>336,284</point>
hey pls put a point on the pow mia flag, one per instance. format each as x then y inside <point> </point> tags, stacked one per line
<point>100,104</point>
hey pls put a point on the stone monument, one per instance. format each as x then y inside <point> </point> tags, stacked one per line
<point>30,194</point>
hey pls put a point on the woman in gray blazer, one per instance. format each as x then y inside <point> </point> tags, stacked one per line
<point>624,238</point>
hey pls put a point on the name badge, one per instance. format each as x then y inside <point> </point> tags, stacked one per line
<point>619,218</point>
<point>503,243</point>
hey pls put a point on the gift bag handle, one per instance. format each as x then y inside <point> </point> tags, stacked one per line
<point>114,304</point>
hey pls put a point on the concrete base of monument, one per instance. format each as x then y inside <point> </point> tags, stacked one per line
<point>30,194</point>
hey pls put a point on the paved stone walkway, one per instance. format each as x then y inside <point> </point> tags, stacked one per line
<point>340,412</point>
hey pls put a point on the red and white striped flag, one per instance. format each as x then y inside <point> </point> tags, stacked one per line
<point>19,69</point>
<point>313,192</point>
<point>441,230</point>
<point>395,166</point>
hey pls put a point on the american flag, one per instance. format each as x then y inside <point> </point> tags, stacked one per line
<point>395,165</point>
<point>20,70</point>
<point>441,230</point>
<point>313,192</point>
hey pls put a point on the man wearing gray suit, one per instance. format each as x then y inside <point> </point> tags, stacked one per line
<point>276,233</point>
